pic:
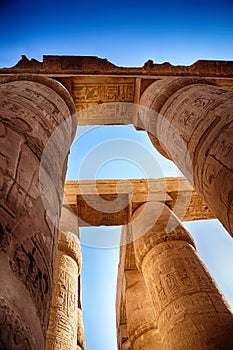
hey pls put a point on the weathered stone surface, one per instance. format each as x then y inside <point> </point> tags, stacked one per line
<point>105,94</point>
<point>31,108</point>
<point>112,202</point>
<point>80,330</point>
<point>103,100</point>
<point>126,345</point>
<point>135,318</point>
<point>194,126</point>
<point>69,221</point>
<point>96,65</point>
<point>141,321</point>
<point>190,313</point>
<point>190,310</point>
<point>63,323</point>
<point>126,262</point>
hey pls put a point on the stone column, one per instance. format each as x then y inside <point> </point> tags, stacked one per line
<point>63,323</point>
<point>191,312</point>
<point>141,322</point>
<point>31,109</point>
<point>136,323</point>
<point>126,345</point>
<point>81,343</point>
<point>65,329</point>
<point>193,126</point>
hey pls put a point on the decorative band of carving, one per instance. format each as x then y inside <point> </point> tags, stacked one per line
<point>160,91</point>
<point>157,225</point>
<point>69,244</point>
<point>13,331</point>
<point>156,95</point>
<point>35,107</point>
<point>52,84</point>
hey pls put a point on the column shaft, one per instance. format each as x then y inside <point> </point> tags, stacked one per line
<point>31,109</point>
<point>80,331</point>
<point>63,323</point>
<point>126,345</point>
<point>194,128</point>
<point>136,323</point>
<point>190,310</point>
<point>141,322</point>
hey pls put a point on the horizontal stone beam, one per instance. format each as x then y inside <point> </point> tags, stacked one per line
<point>92,65</point>
<point>112,202</point>
<point>105,94</point>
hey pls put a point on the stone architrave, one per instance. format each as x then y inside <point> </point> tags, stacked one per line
<point>32,108</point>
<point>190,311</point>
<point>190,120</point>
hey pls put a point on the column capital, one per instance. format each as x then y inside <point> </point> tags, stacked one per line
<point>69,244</point>
<point>190,120</point>
<point>155,97</point>
<point>157,94</point>
<point>158,224</point>
<point>50,83</point>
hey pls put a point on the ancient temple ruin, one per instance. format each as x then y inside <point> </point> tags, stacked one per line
<point>166,298</point>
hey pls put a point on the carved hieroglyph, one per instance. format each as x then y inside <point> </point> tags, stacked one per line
<point>135,318</point>
<point>31,108</point>
<point>63,323</point>
<point>101,92</point>
<point>189,309</point>
<point>141,322</point>
<point>195,129</point>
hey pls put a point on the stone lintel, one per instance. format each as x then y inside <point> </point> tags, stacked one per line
<point>97,65</point>
<point>112,202</point>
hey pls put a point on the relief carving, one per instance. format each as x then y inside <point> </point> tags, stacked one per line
<point>182,291</point>
<point>103,92</point>
<point>63,324</point>
<point>197,113</point>
<point>14,334</point>
<point>31,264</point>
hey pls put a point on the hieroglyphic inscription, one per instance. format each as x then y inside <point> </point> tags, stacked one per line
<point>31,264</point>
<point>62,330</point>
<point>179,274</point>
<point>31,108</point>
<point>14,334</point>
<point>100,100</point>
<point>66,295</point>
<point>100,93</point>
<point>141,319</point>
<point>195,131</point>
<point>108,113</point>
<point>183,293</point>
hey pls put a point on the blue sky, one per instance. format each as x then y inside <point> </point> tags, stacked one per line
<point>127,33</point>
